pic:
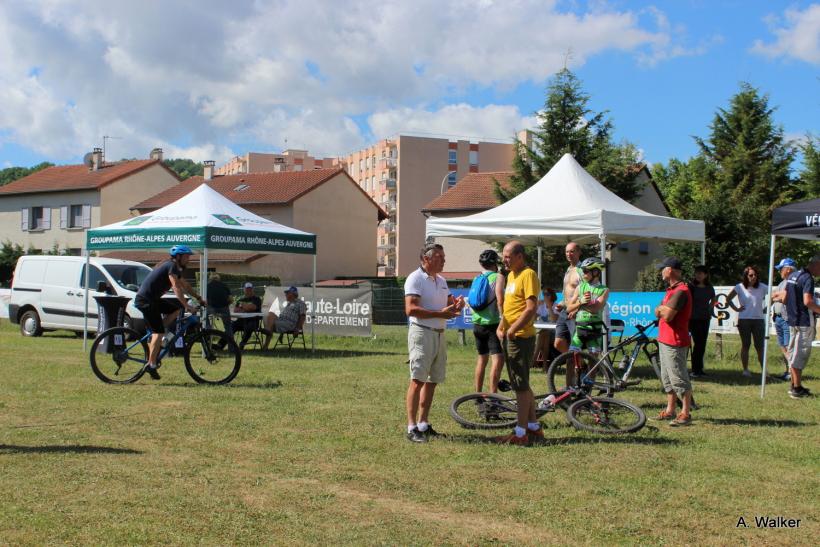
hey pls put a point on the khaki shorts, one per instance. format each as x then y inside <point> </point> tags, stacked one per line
<point>428,354</point>
<point>520,352</point>
<point>799,347</point>
<point>674,375</point>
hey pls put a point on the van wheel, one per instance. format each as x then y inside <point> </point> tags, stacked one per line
<point>30,324</point>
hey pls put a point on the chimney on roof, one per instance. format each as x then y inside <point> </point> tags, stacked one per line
<point>156,154</point>
<point>208,172</point>
<point>96,159</point>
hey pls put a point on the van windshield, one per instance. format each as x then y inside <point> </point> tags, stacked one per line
<point>128,276</point>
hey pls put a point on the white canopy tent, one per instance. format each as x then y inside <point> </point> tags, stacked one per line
<point>567,204</point>
<point>205,221</point>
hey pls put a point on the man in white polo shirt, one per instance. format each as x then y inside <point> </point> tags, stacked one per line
<point>429,304</point>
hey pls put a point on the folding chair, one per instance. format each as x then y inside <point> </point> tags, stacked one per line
<point>289,338</point>
<point>256,337</point>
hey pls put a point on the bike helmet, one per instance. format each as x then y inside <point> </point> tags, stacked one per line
<point>178,250</point>
<point>488,257</point>
<point>591,263</point>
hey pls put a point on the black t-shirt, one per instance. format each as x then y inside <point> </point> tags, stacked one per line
<point>157,283</point>
<point>798,284</point>
<point>219,295</point>
<point>701,296</point>
<point>255,300</point>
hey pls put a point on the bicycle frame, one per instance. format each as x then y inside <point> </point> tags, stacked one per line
<point>179,332</point>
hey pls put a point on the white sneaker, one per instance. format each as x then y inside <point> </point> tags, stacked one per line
<point>746,373</point>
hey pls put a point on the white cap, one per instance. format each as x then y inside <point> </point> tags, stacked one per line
<point>248,285</point>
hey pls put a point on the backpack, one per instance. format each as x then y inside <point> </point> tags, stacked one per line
<point>481,293</point>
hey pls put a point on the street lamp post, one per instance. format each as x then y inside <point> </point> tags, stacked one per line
<point>444,180</point>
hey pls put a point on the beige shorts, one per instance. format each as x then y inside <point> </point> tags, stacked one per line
<point>428,354</point>
<point>799,348</point>
<point>674,375</point>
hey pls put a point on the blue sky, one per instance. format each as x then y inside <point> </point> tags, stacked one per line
<point>333,76</point>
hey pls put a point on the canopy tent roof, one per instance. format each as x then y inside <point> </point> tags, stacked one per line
<point>202,219</point>
<point>799,220</point>
<point>566,204</point>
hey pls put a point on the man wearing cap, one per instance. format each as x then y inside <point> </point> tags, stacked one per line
<point>247,303</point>
<point>291,318</point>
<point>779,313</point>
<point>801,308</point>
<point>673,342</point>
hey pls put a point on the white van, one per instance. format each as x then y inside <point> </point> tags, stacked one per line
<point>48,292</point>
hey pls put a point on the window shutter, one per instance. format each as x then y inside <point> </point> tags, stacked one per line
<point>64,217</point>
<point>24,219</point>
<point>86,216</point>
<point>46,218</point>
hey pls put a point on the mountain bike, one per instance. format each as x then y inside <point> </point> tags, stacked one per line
<point>595,414</point>
<point>119,354</point>
<point>589,372</point>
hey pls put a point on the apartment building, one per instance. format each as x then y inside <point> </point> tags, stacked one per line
<point>289,160</point>
<point>405,173</point>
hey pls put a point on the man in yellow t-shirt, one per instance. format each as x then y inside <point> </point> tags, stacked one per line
<point>517,333</point>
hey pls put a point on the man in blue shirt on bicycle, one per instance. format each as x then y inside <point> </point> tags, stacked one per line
<point>149,300</point>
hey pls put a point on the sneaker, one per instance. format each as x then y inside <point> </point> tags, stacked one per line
<point>663,416</point>
<point>152,372</point>
<point>430,432</point>
<point>416,436</point>
<point>694,374</point>
<point>746,373</point>
<point>799,392</point>
<point>681,420</point>
<point>535,436</point>
<point>512,439</point>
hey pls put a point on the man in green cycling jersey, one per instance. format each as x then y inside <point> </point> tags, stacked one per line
<point>587,308</point>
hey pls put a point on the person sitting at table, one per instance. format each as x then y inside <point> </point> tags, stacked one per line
<point>544,352</point>
<point>248,303</point>
<point>219,302</point>
<point>291,319</point>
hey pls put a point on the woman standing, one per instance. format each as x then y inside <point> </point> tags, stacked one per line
<point>751,294</point>
<point>703,300</point>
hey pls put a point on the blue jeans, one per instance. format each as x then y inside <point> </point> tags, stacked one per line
<point>781,327</point>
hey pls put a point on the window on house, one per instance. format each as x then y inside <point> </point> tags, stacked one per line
<point>75,216</point>
<point>451,156</point>
<point>367,163</point>
<point>35,218</point>
<point>451,178</point>
<point>473,157</point>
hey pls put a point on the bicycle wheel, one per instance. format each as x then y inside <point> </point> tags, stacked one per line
<point>605,415</point>
<point>484,411</point>
<point>560,376</point>
<point>212,357</point>
<point>118,356</point>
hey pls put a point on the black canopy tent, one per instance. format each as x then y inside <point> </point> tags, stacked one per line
<point>799,220</point>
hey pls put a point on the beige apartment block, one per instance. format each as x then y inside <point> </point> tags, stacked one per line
<point>56,206</point>
<point>403,174</point>
<point>259,162</point>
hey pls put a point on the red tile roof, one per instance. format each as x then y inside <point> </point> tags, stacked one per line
<point>280,188</point>
<point>475,192</point>
<point>61,178</point>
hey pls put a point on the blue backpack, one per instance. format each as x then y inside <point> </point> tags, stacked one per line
<point>481,292</point>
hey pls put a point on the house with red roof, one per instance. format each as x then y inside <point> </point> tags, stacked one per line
<point>55,206</point>
<point>326,202</point>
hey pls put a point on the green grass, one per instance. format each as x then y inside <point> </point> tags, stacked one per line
<point>312,450</point>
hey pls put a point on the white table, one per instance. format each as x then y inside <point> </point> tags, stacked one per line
<point>543,325</point>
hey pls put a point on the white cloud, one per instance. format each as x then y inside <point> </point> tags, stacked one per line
<point>210,76</point>
<point>798,37</point>
<point>492,122</point>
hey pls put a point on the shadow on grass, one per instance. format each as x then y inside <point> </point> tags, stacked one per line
<point>64,449</point>
<point>765,422</point>
<point>302,354</point>
<point>474,438</point>
<point>735,378</point>
<point>264,385</point>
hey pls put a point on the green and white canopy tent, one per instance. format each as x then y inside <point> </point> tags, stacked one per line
<point>206,221</point>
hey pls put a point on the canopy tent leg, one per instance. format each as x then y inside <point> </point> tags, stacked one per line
<point>203,279</point>
<point>603,258</point>
<point>313,310</point>
<point>703,252</point>
<point>766,331</point>
<point>539,262</point>
<point>85,297</point>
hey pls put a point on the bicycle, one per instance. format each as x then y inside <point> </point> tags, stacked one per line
<point>211,356</point>
<point>590,366</point>
<point>595,414</point>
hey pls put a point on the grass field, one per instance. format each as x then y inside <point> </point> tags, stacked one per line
<point>303,449</point>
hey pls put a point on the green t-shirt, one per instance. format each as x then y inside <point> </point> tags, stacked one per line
<point>583,316</point>
<point>489,315</point>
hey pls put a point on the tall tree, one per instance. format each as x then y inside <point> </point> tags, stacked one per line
<point>741,173</point>
<point>567,124</point>
<point>10,174</point>
<point>184,167</point>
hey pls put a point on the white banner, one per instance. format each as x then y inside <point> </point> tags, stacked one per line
<point>343,312</point>
<point>725,318</point>
<point>5,297</point>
